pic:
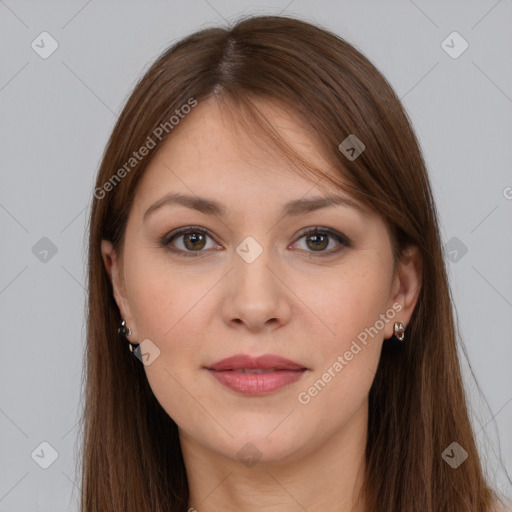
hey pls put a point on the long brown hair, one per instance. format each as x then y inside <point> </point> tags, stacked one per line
<point>417,407</point>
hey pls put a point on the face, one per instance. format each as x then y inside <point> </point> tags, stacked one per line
<point>313,286</point>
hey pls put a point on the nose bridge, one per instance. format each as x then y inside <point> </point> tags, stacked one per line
<point>251,266</point>
<point>250,250</point>
<point>256,292</point>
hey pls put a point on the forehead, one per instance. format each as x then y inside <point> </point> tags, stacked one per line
<point>218,123</point>
<point>215,148</point>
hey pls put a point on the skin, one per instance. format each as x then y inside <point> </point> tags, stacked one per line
<point>291,301</point>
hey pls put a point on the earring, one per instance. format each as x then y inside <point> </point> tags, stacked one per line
<point>124,331</point>
<point>399,329</point>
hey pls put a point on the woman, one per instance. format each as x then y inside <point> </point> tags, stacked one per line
<point>264,239</point>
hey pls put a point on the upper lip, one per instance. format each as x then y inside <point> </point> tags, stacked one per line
<point>247,362</point>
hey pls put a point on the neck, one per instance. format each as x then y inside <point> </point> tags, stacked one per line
<point>325,475</point>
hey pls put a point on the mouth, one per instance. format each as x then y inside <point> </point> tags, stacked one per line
<point>256,376</point>
<point>257,370</point>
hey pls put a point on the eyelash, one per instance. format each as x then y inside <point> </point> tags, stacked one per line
<point>317,230</point>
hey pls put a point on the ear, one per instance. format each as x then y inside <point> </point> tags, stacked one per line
<point>114,271</point>
<point>405,288</point>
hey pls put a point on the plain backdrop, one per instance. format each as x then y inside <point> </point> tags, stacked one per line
<point>57,114</point>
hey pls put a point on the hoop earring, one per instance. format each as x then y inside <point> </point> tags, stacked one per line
<point>399,330</point>
<point>125,332</point>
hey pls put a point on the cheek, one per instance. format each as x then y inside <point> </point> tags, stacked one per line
<point>353,310</point>
<point>168,307</point>
<point>349,303</point>
<point>165,305</point>
<point>159,296</point>
<point>347,358</point>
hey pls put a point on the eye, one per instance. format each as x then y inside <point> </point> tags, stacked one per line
<point>193,241</point>
<point>318,239</point>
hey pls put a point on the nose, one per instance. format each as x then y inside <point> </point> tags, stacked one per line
<point>256,297</point>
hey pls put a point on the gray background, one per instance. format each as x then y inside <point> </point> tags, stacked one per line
<point>57,114</point>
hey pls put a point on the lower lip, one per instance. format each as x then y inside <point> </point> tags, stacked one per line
<point>256,384</point>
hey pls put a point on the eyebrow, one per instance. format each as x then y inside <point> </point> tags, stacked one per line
<point>212,207</point>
